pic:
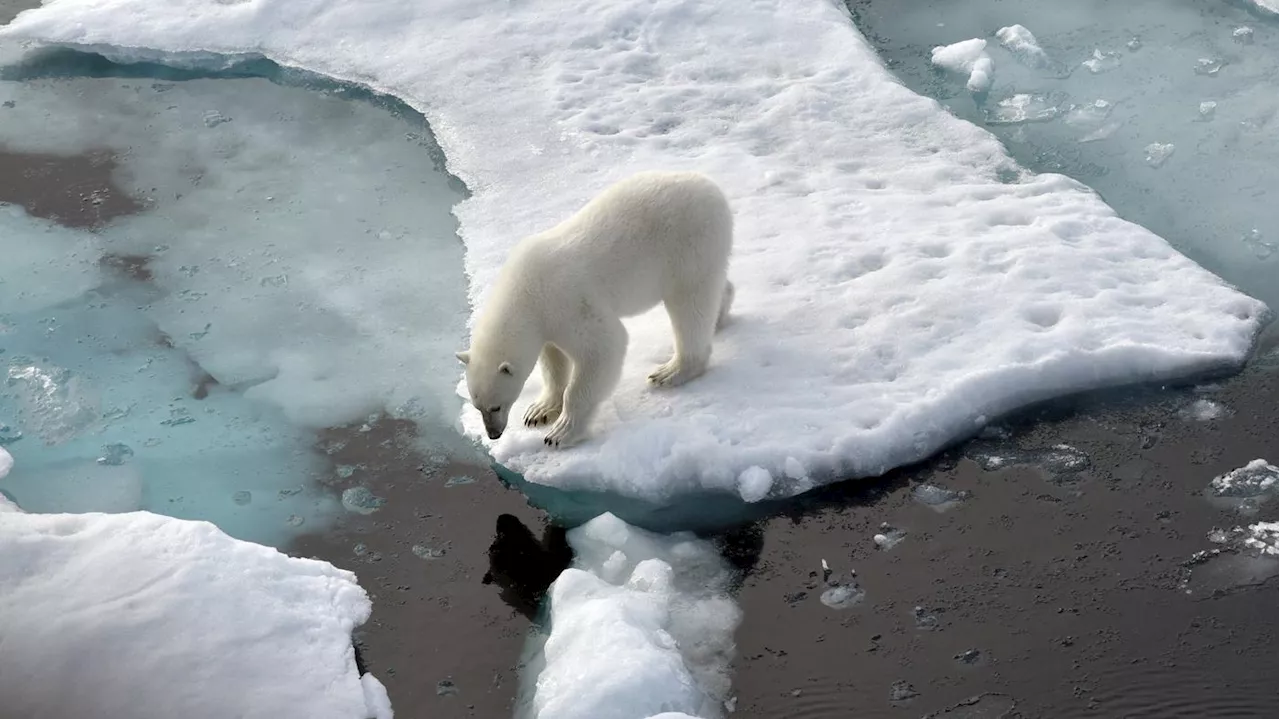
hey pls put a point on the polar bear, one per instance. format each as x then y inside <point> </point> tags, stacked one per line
<point>562,293</point>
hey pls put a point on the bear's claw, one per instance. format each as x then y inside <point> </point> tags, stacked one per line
<point>540,413</point>
<point>563,433</point>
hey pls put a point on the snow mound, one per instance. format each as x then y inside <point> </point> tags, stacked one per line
<point>143,616</point>
<point>641,625</point>
<point>900,281</point>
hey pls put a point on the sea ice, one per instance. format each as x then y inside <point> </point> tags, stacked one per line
<point>6,462</point>
<point>1019,41</point>
<point>968,57</point>
<point>657,607</point>
<point>898,275</point>
<point>143,616</point>
<point>1252,480</point>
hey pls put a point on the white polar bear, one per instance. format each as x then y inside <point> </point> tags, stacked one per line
<point>561,296</point>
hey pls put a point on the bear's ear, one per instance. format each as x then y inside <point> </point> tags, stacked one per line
<point>505,368</point>
<point>464,357</point>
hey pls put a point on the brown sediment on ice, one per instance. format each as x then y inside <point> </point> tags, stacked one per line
<point>454,562</point>
<point>73,190</point>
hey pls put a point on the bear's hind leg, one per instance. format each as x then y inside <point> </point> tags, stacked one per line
<point>694,314</point>
<point>597,366</point>
<point>726,303</point>
<point>555,378</point>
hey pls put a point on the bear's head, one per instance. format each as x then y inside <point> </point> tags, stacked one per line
<point>494,386</point>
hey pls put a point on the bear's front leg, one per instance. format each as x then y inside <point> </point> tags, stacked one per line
<point>597,366</point>
<point>555,379</point>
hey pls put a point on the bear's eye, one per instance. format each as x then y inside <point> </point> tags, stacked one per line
<point>495,410</point>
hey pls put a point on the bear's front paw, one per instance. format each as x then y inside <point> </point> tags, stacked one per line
<point>675,373</point>
<point>563,433</point>
<point>541,412</point>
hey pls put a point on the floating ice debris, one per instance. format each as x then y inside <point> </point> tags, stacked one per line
<point>422,551</point>
<point>1252,480</point>
<point>1243,35</point>
<point>842,596</point>
<point>213,118</point>
<point>458,481</point>
<point>344,471</point>
<point>1024,107</point>
<point>967,57</point>
<point>6,462</point>
<point>902,691</point>
<point>294,520</point>
<point>1093,113</point>
<point>888,536</point>
<point>1208,66</point>
<point>116,454</point>
<point>1253,239</point>
<point>1207,109</point>
<point>754,483</point>
<point>9,434</point>
<point>178,416</point>
<point>1263,536</point>
<point>242,497</point>
<point>969,656</point>
<point>1102,61</point>
<point>288,492</point>
<point>360,549</point>
<point>1019,41</point>
<point>1203,410</point>
<point>1061,461</point>
<point>925,620</point>
<point>937,498</point>
<point>1134,44</point>
<point>446,688</point>
<point>51,400</point>
<point>1101,133</point>
<point>1158,153</point>
<point>826,571</point>
<point>361,500</point>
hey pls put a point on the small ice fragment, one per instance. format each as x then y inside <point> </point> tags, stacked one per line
<point>925,620</point>
<point>294,520</point>
<point>360,549</point>
<point>9,435</point>
<point>826,571</point>
<point>1101,133</point>
<point>1243,35</point>
<point>178,416</point>
<point>361,500</point>
<point>754,484</point>
<point>1023,107</point>
<point>344,471</point>
<point>1134,44</point>
<point>1262,248</point>
<point>902,691</point>
<point>1092,113</point>
<point>422,551</point>
<point>1203,410</point>
<point>242,497</point>
<point>1019,41</point>
<point>842,596</point>
<point>458,481</point>
<point>1158,153</point>
<point>1102,61</point>
<point>969,656</point>
<point>1209,66</point>
<point>934,496</point>
<point>888,537</point>
<point>1263,536</point>
<point>1252,480</point>
<point>967,56</point>
<point>981,76</point>
<point>213,118</point>
<point>446,688</point>
<point>1207,109</point>
<point>114,455</point>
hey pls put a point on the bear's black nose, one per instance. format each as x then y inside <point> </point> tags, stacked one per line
<point>494,434</point>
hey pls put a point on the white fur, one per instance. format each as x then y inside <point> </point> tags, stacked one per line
<point>561,296</point>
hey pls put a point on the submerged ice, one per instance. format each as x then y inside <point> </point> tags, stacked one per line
<point>273,282</point>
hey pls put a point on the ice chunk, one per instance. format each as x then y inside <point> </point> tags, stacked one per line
<point>1025,107</point>
<point>754,483</point>
<point>1093,113</point>
<point>662,615</point>
<point>1209,66</point>
<point>1252,480</point>
<point>6,462</point>
<point>875,341</point>
<point>1263,536</point>
<point>1207,109</point>
<point>361,501</point>
<point>1243,35</point>
<point>54,402</point>
<point>1019,41</point>
<point>1102,61</point>
<point>1158,153</point>
<point>967,57</point>
<point>842,596</point>
<point>937,498</point>
<point>113,615</point>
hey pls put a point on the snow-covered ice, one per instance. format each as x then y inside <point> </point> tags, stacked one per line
<point>144,616</point>
<point>970,58</point>
<point>641,624</point>
<point>1255,479</point>
<point>899,277</point>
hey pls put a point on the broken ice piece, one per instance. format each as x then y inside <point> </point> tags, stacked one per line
<point>842,596</point>
<point>361,501</point>
<point>1243,35</point>
<point>888,536</point>
<point>1134,44</point>
<point>1207,108</point>
<point>826,571</point>
<point>1208,66</point>
<point>1102,61</point>
<point>114,455</point>
<point>1158,153</point>
<point>1252,480</point>
<point>1024,107</point>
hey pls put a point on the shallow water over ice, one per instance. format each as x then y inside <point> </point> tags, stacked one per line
<point>1167,108</point>
<point>290,264</point>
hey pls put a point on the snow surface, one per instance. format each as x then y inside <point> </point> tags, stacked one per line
<point>641,624</point>
<point>899,280</point>
<point>149,617</point>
